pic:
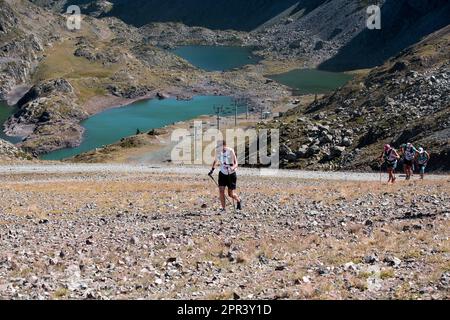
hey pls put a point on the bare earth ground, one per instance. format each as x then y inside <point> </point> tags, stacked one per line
<point>110,231</point>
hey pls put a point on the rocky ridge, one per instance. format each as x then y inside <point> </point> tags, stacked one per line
<point>330,33</point>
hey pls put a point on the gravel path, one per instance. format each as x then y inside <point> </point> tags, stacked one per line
<point>193,170</point>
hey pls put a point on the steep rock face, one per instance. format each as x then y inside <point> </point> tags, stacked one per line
<point>316,35</point>
<point>7,19</point>
<point>334,35</point>
<point>18,61</point>
<point>95,8</point>
<point>405,100</point>
<point>219,14</point>
<point>15,56</point>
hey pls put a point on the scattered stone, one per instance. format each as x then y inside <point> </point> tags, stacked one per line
<point>371,259</point>
<point>134,240</point>
<point>392,261</point>
<point>280,268</point>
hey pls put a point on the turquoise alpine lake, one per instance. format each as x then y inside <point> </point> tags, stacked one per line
<point>217,58</point>
<point>5,112</point>
<point>114,124</point>
<point>312,81</point>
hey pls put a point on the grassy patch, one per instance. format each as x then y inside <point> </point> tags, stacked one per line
<point>85,76</point>
<point>61,293</point>
<point>387,274</point>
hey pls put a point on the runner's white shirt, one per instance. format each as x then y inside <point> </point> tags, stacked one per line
<point>226,161</point>
<point>390,155</point>
<point>410,153</point>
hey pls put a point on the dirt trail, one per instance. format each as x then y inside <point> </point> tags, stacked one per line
<point>194,170</point>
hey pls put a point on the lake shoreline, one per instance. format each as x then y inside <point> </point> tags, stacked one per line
<point>98,104</point>
<point>101,103</point>
<point>156,148</point>
<point>147,122</point>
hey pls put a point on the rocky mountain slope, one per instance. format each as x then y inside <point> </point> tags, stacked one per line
<point>23,36</point>
<point>219,14</point>
<point>405,100</point>
<point>82,232</point>
<point>334,35</point>
<point>330,33</point>
<point>404,23</point>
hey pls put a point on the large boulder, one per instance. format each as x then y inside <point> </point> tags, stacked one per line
<point>46,89</point>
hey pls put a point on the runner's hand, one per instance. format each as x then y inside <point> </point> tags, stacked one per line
<point>211,172</point>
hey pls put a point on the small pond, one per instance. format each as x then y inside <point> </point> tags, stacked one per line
<point>312,81</point>
<point>217,58</point>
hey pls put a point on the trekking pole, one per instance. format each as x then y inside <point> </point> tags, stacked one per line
<point>212,178</point>
<point>381,177</point>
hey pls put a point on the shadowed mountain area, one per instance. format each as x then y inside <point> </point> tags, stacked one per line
<point>404,23</point>
<point>218,14</point>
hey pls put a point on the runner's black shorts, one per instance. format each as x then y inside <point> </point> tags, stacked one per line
<point>408,163</point>
<point>228,181</point>
<point>391,164</point>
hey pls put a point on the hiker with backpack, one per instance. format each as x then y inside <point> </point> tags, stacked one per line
<point>390,157</point>
<point>422,158</point>
<point>226,158</point>
<point>408,152</point>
